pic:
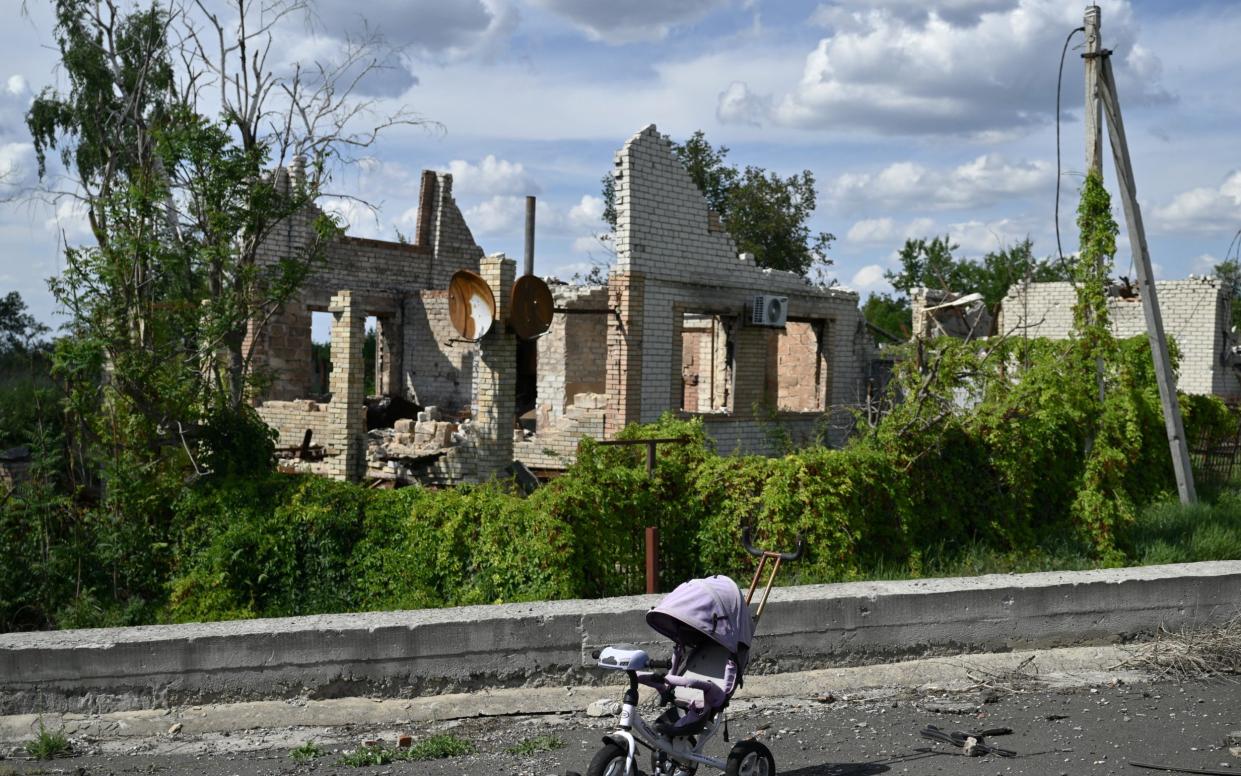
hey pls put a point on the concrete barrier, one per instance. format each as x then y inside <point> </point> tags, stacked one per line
<point>453,650</point>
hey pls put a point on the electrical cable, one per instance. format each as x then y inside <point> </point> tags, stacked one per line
<point>1059,84</point>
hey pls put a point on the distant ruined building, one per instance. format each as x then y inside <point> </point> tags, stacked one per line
<point>684,324</point>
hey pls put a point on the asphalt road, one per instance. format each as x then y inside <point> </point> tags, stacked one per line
<point>1083,730</point>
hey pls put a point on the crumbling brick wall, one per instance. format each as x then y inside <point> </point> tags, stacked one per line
<point>573,352</point>
<point>403,285</point>
<point>673,259</point>
<point>1197,315</point>
<point>387,278</point>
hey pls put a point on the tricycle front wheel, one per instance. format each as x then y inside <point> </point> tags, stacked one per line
<point>610,761</point>
<point>750,758</point>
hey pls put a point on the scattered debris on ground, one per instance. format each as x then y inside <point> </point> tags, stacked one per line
<point>1190,653</point>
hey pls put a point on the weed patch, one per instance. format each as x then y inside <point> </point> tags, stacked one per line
<point>307,751</point>
<point>48,744</point>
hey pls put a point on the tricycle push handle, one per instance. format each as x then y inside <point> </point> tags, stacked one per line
<point>758,553</point>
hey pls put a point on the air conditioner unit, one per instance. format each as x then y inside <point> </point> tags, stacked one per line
<point>769,310</point>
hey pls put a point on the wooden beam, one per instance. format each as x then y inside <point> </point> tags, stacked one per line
<point>1146,285</point>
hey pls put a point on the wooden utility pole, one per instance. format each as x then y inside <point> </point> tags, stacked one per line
<point>1146,281</point>
<point>1094,135</point>
<point>1093,114</point>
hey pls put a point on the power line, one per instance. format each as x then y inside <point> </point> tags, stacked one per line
<point>1059,84</point>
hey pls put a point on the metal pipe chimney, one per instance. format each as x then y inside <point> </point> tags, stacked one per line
<point>528,264</point>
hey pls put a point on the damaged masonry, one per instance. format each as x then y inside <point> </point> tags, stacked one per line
<point>684,323</point>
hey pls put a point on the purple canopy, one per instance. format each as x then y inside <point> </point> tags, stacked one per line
<point>711,607</point>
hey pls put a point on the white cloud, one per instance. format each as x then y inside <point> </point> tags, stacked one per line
<point>587,213</point>
<point>1203,265</point>
<point>627,21</point>
<point>976,66</point>
<point>496,214</point>
<point>738,105</point>
<point>17,166</point>
<point>1203,210</point>
<point>979,237</point>
<point>17,85</point>
<point>867,278</point>
<point>588,245</point>
<point>491,176</point>
<point>877,231</point>
<point>360,220</point>
<point>69,222</point>
<point>976,183</point>
<point>871,230</point>
<point>424,25</point>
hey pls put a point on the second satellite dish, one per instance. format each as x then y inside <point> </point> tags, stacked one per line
<point>532,307</point>
<point>471,305</point>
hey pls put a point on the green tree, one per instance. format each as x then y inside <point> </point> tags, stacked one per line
<point>1229,273</point>
<point>169,125</point>
<point>931,263</point>
<point>889,313</point>
<point>766,214</point>
<point>19,331</point>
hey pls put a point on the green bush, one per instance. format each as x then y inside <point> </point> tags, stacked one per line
<point>281,545</point>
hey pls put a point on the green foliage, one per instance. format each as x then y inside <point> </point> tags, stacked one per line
<point>1229,273</point>
<point>436,747</point>
<point>931,264</point>
<point>1093,267</point>
<point>766,214</point>
<point>1167,531</point>
<point>307,752</point>
<point>235,440</point>
<point>48,744</point>
<point>365,756</point>
<point>890,314</point>
<point>536,745</point>
<point>19,331</point>
<point>276,546</point>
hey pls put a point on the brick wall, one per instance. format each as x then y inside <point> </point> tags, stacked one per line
<point>386,278</point>
<point>1196,315</point>
<point>496,375</point>
<point>573,353</point>
<point>673,260</point>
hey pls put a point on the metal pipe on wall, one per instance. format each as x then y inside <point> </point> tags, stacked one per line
<point>528,264</point>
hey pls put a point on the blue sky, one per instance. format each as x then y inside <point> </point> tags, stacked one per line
<point>916,118</point>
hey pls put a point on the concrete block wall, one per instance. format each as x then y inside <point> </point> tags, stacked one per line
<point>665,237</point>
<point>469,649</point>
<point>1196,315</point>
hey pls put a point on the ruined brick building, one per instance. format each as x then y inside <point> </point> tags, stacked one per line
<point>684,323</point>
<point>1197,316</point>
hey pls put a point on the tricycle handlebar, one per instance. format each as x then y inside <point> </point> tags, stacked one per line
<point>758,553</point>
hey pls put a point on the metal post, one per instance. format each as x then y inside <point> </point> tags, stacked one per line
<point>652,559</point>
<point>528,264</point>
<point>1146,285</point>
<point>650,457</point>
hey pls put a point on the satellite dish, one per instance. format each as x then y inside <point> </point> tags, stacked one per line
<point>532,307</point>
<point>471,305</point>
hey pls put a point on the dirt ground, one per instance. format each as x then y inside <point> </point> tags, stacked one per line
<point>1097,729</point>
